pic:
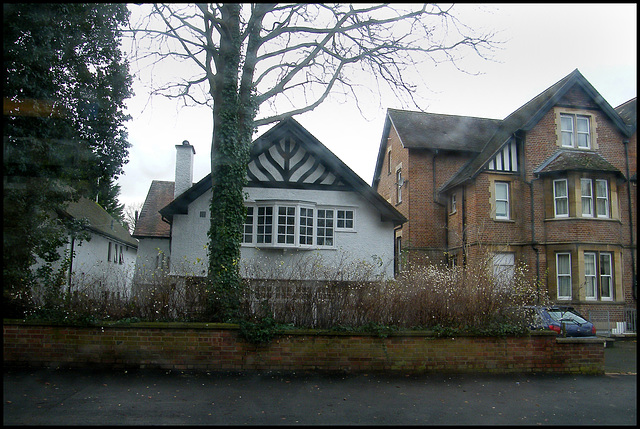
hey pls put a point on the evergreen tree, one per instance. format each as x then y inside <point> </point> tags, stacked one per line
<point>64,89</point>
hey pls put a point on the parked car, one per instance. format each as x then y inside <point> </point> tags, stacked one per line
<point>553,317</point>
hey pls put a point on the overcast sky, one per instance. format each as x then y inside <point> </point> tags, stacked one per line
<point>543,44</point>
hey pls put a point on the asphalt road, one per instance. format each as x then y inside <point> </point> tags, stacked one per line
<point>145,397</point>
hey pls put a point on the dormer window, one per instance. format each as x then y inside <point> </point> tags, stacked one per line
<point>575,131</point>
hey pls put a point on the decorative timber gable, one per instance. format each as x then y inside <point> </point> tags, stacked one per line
<point>506,159</point>
<point>288,163</point>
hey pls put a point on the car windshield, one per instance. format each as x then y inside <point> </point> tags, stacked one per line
<point>566,316</point>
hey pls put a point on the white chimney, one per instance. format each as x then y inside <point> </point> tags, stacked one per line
<point>184,167</point>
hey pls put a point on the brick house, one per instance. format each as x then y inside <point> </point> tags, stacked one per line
<point>553,185</point>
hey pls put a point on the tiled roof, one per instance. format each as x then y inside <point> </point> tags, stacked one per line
<point>526,117</point>
<point>575,160</point>
<point>150,223</point>
<point>628,112</point>
<point>100,221</point>
<point>421,130</point>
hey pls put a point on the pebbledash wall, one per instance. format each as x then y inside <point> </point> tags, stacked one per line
<point>218,347</point>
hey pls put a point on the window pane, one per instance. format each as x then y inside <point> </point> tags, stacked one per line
<point>560,188</point>
<point>501,191</point>
<point>583,124</point>
<point>605,264</point>
<point>501,208</point>
<point>564,264</point>
<point>564,286</point>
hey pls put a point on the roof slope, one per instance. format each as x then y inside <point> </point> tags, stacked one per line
<point>527,116</point>
<point>628,113</point>
<point>100,221</point>
<point>575,160</point>
<point>422,130</point>
<point>150,223</point>
<point>290,127</point>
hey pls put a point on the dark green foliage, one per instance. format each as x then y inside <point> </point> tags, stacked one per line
<point>259,331</point>
<point>64,88</point>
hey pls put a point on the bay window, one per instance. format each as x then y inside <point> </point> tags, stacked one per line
<point>298,225</point>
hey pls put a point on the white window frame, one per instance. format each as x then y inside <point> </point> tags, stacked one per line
<point>500,200</point>
<point>345,219</point>
<point>286,223</point>
<point>579,133</point>
<point>248,227</point>
<point>591,277</point>
<point>586,198</point>
<point>454,203</point>
<point>563,276</point>
<point>600,197</point>
<point>266,226</point>
<point>608,276</point>
<point>304,225</point>
<point>557,198</point>
<point>566,131</point>
<point>574,133</point>
<point>321,240</point>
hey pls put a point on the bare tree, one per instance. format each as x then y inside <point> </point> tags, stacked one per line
<point>130,215</point>
<point>260,63</point>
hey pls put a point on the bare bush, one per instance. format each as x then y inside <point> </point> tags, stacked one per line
<point>422,296</point>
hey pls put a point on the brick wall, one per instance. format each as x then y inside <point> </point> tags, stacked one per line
<point>219,348</point>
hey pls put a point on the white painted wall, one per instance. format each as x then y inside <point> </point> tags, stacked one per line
<point>370,246</point>
<point>91,267</point>
<point>147,260</point>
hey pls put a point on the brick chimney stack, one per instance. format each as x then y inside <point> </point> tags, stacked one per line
<point>184,168</point>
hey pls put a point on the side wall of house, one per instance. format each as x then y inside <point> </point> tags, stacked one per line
<point>104,261</point>
<point>152,260</point>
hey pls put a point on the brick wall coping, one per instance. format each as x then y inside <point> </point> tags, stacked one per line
<point>235,326</point>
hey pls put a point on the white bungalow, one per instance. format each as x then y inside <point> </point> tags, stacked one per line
<point>309,216</point>
<point>104,262</point>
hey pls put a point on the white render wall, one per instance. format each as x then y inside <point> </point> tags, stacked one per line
<point>147,258</point>
<point>91,269</point>
<point>368,249</point>
<point>91,265</point>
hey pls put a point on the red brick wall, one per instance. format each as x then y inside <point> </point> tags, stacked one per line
<point>216,348</point>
